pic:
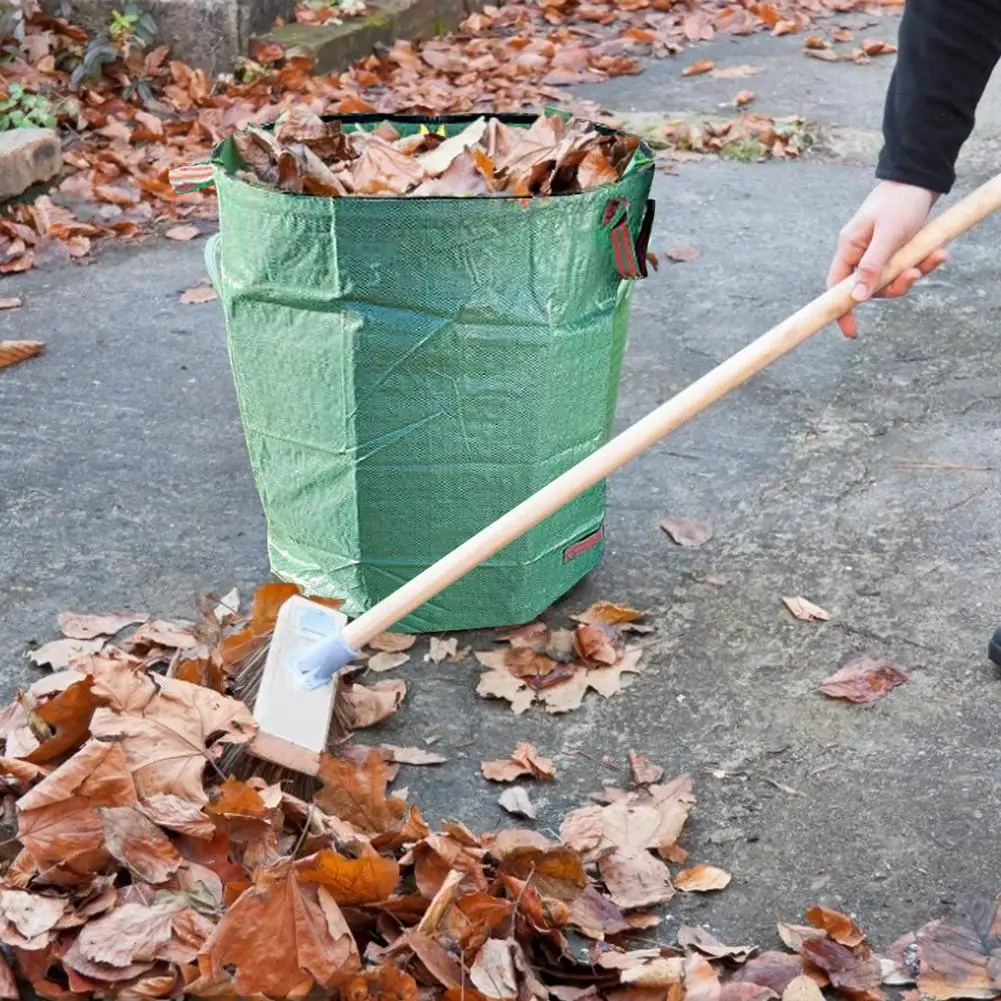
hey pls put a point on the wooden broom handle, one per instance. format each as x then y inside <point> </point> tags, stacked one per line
<point>736,370</point>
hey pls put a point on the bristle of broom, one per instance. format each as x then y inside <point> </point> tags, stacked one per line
<point>236,760</point>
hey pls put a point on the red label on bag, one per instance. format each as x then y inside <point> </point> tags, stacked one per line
<point>585,545</point>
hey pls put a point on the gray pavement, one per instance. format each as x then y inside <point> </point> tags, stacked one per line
<point>124,484</point>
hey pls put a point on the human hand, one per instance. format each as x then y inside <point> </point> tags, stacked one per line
<point>885,221</point>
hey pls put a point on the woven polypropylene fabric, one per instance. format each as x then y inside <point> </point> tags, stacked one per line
<point>410,369</point>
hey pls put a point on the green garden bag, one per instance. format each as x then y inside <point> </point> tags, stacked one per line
<point>409,369</point>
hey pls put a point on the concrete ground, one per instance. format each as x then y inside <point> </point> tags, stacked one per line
<point>124,484</point>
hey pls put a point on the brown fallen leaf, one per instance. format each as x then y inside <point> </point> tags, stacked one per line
<point>282,937</point>
<point>11,303</point>
<point>643,770</point>
<point>499,683</point>
<point>698,67</point>
<point>88,627</point>
<point>795,935</point>
<point>688,532</point>
<point>735,72</point>
<point>701,979</point>
<point>380,662</point>
<point>493,971</point>
<point>864,679</point>
<point>607,613</point>
<point>168,740</point>
<point>125,936</point>
<point>815,42</point>
<point>516,801</point>
<point>827,55</point>
<point>357,793</point>
<point>363,706</point>
<point>183,233</point>
<point>59,654</point>
<point>960,957</point>
<point>734,990</point>
<point>806,611</point>
<point>525,760</point>
<point>367,879</point>
<point>392,642</point>
<point>771,970</point>
<point>743,98</point>
<point>13,352</point>
<point>855,973</point>
<point>704,941</point>
<point>838,926</point>
<point>803,989</point>
<point>702,879</point>
<point>198,294</point>
<point>681,255</point>
<point>876,47</point>
<point>635,879</point>
<point>441,648</point>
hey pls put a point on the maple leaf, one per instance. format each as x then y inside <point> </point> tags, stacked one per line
<point>180,729</point>
<point>607,613</point>
<point>136,842</point>
<point>58,820</point>
<point>88,627</point>
<point>282,937</point>
<point>864,679</point>
<point>367,879</point>
<point>67,716</point>
<point>357,793</point>
<point>960,957</point>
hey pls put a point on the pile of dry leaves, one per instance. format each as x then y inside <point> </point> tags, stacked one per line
<point>306,155</point>
<point>146,113</point>
<point>137,867</point>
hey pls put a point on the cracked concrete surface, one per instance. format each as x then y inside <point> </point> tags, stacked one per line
<point>861,475</point>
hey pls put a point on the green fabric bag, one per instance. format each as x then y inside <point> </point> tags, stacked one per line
<point>409,369</point>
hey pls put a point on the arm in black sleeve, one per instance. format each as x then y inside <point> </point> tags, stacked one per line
<point>947,52</point>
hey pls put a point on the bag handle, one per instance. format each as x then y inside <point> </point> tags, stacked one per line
<point>213,264</point>
<point>629,254</point>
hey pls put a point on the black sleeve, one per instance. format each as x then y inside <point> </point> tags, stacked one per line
<point>947,52</point>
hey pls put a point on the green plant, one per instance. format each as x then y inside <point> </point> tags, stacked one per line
<point>23,109</point>
<point>129,32</point>
<point>744,150</point>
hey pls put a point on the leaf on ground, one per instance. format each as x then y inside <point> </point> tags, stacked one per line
<point>164,633</point>
<point>180,729</point>
<point>357,793</point>
<point>825,55</point>
<point>774,971</point>
<point>411,755</point>
<point>183,233</point>
<point>855,973</point>
<point>282,938</point>
<point>441,648</point>
<point>177,814</point>
<point>743,98</point>
<point>607,613</point>
<point>635,878</point>
<point>960,957</point>
<point>643,770</point>
<point>493,971</point>
<point>702,879</point>
<point>699,67</point>
<point>803,989</point>
<point>704,941</point>
<point>515,800</point>
<point>688,532</point>
<point>14,352</point>
<point>11,303</point>
<point>88,627</point>
<point>59,654</point>
<point>838,926</point>
<point>58,820</point>
<point>734,990</point>
<point>32,916</point>
<point>864,679</point>
<point>701,979</point>
<point>392,642</point>
<point>597,645</point>
<point>367,879</point>
<point>197,295</point>
<point>806,611</point>
<point>66,718</point>
<point>524,760</point>
<point>681,255</point>
<point>876,47</point>
<point>385,661</point>
<point>362,706</point>
<point>795,935</point>
<point>500,683</point>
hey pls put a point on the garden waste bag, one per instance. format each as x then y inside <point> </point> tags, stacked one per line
<point>408,369</point>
